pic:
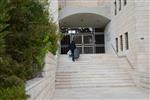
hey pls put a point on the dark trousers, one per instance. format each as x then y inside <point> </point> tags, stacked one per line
<point>72,51</point>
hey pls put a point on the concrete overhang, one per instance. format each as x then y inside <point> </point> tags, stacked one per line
<point>84,17</point>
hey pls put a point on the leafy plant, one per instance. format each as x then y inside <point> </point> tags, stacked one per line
<point>3,25</point>
<point>26,35</point>
<point>29,26</point>
<point>13,93</point>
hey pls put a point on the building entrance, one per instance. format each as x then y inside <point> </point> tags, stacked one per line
<point>84,42</point>
<point>88,42</point>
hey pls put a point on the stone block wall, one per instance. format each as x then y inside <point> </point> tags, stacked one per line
<point>134,19</point>
<point>53,10</point>
<point>142,13</point>
<point>43,88</point>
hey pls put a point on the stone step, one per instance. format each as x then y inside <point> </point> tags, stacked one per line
<point>84,74</point>
<point>94,67</point>
<point>88,62</point>
<point>92,76</point>
<point>90,55</point>
<point>95,64</point>
<point>80,69</point>
<point>91,80</point>
<point>89,59</point>
<point>92,71</point>
<point>94,85</point>
<point>89,72</point>
<point>94,80</point>
<point>97,70</point>
<point>74,73</point>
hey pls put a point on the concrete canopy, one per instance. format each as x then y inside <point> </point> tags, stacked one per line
<point>84,16</point>
<point>84,20</point>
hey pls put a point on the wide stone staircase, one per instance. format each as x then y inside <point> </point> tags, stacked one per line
<point>96,77</point>
<point>92,70</point>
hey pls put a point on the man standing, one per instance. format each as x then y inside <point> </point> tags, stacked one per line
<point>72,47</point>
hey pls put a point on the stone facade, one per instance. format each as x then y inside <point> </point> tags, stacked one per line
<point>131,18</point>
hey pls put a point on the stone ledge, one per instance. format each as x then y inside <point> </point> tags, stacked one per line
<point>43,88</point>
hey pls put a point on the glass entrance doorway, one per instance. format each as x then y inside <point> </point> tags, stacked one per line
<point>84,42</point>
<point>88,42</point>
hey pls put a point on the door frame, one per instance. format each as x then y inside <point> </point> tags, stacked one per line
<point>83,45</point>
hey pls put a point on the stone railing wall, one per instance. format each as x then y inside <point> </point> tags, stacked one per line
<point>43,88</point>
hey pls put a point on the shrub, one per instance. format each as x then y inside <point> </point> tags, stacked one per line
<point>9,81</point>
<point>3,25</point>
<point>13,93</point>
<point>31,35</point>
<point>26,35</point>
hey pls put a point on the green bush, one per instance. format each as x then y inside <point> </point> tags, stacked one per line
<point>3,25</point>
<point>9,81</point>
<point>31,35</point>
<point>13,93</point>
<point>26,36</point>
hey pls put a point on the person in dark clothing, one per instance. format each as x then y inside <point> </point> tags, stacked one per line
<point>72,47</point>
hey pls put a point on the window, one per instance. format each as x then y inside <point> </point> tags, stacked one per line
<point>121,43</point>
<point>117,44</point>
<point>126,40</point>
<point>115,4</point>
<point>119,5</point>
<point>125,2</point>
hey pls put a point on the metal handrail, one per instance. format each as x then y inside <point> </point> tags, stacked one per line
<point>123,57</point>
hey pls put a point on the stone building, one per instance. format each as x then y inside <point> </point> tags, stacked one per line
<point>113,38</point>
<point>118,27</point>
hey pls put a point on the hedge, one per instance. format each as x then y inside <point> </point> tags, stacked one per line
<point>26,35</point>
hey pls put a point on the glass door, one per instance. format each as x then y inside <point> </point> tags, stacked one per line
<point>84,42</point>
<point>78,40</point>
<point>64,44</point>
<point>88,43</point>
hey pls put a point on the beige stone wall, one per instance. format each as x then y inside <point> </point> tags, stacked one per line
<point>53,10</point>
<point>82,3</point>
<point>121,23</point>
<point>134,19</point>
<point>142,39</point>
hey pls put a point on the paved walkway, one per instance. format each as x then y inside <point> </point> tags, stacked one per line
<point>112,93</point>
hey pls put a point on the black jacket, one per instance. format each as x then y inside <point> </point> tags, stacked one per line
<point>72,46</point>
